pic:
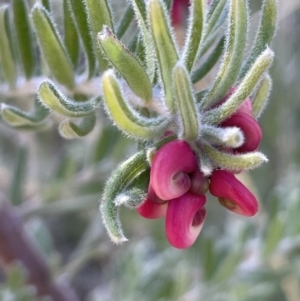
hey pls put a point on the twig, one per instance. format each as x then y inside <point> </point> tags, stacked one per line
<point>15,245</point>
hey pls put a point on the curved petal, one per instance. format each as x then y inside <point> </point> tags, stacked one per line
<point>170,168</point>
<point>151,210</point>
<point>232,193</point>
<point>184,220</point>
<point>250,128</point>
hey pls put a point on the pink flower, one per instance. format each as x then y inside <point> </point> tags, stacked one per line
<point>170,168</point>
<point>151,210</point>
<point>179,11</point>
<point>250,128</point>
<point>232,193</point>
<point>184,220</point>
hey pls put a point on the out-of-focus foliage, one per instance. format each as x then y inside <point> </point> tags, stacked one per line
<point>57,184</point>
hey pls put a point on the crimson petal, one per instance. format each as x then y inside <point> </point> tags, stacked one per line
<point>232,193</point>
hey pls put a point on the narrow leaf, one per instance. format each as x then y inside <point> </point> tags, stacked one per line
<point>6,57</point>
<point>234,52</point>
<point>71,38</point>
<point>128,66</point>
<point>54,52</point>
<point>53,99</point>
<point>18,118</point>
<point>196,24</point>
<point>165,47</point>
<point>248,84</point>
<point>118,182</point>
<point>125,22</point>
<point>186,103</point>
<point>83,26</point>
<point>234,162</point>
<point>209,63</point>
<point>136,192</point>
<point>261,96</point>
<point>71,130</point>
<point>124,116</point>
<point>24,36</point>
<point>213,15</point>
<point>265,33</point>
<point>99,14</point>
<point>139,8</point>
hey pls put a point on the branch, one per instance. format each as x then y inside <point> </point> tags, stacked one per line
<point>16,245</point>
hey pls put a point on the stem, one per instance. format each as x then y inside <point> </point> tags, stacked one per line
<point>16,245</point>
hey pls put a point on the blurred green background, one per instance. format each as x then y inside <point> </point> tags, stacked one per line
<point>57,185</point>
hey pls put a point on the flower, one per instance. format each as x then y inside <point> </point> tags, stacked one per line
<point>179,11</point>
<point>232,193</point>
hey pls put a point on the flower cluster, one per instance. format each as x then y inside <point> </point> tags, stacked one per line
<point>177,185</point>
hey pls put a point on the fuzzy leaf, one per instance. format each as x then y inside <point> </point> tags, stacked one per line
<point>234,52</point>
<point>125,118</point>
<point>6,57</point>
<point>136,192</point>
<point>185,103</point>
<point>99,15</point>
<point>52,47</point>
<point>128,66</point>
<point>71,130</point>
<point>121,178</point>
<point>18,118</point>
<point>139,8</point>
<point>213,14</point>
<point>24,36</point>
<point>265,33</point>
<point>165,47</point>
<point>229,136</point>
<point>53,99</point>
<point>234,162</point>
<point>249,82</point>
<point>209,63</point>
<point>196,24</point>
<point>71,38</point>
<point>260,99</point>
<point>84,29</point>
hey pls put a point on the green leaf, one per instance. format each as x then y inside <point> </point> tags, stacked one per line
<point>252,78</point>
<point>71,130</point>
<point>165,48</point>
<point>140,11</point>
<point>121,178</point>
<point>18,118</point>
<point>213,15</point>
<point>6,57</point>
<point>18,177</point>
<point>24,36</point>
<point>229,136</point>
<point>47,4</point>
<point>234,162</point>
<point>186,103</point>
<point>53,99</point>
<point>128,66</point>
<point>125,22</point>
<point>234,52</point>
<point>71,38</point>
<point>99,15</point>
<point>260,99</point>
<point>124,116</point>
<point>265,33</point>
<point>209,63</point>
<point>81,16</point>
<point>54,51</point>
<point>195,29</point>
<point>136,192</point>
